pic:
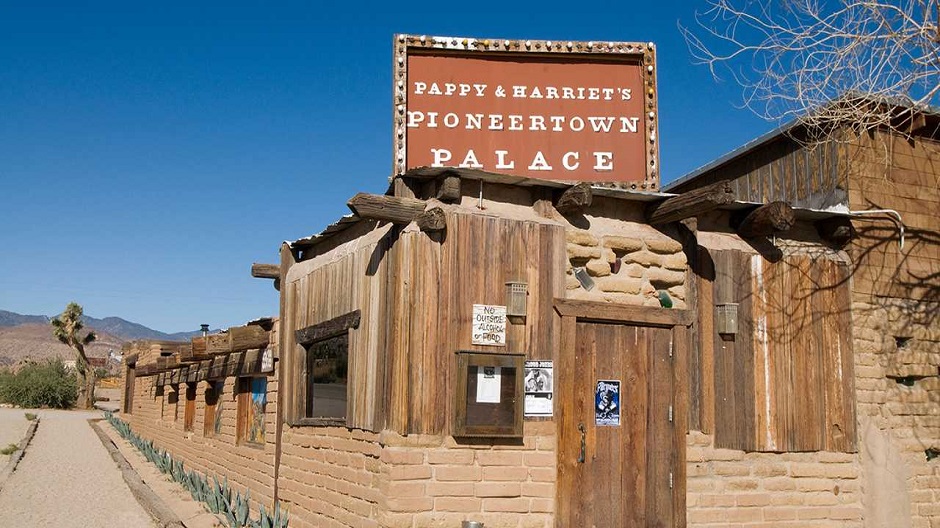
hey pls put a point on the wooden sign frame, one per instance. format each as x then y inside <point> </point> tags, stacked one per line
<point>524,51</point>
<point>502,419</point>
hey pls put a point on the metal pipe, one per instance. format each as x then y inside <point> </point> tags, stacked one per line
<point>895,217</point>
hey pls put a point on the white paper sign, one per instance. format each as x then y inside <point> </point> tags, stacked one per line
<point>539,382</point>
<point>489,325</point>
<point>488,384</point>
<point>267,360</point>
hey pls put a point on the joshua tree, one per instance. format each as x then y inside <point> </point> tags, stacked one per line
<point>67,329</point>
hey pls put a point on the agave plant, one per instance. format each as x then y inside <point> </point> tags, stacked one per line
<point>217,496</point>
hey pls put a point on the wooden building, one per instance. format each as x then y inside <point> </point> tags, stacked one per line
<point>887,185</point>
<point>704,358</point>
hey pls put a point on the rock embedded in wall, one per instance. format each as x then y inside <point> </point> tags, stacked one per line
<point>627,269</point>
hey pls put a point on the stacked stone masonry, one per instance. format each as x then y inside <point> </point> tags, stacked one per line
<point>630,267</point>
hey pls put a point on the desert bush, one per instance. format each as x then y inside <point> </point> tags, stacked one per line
<point>30,416</point>
<point>46,384</point>
<point>9,450</point>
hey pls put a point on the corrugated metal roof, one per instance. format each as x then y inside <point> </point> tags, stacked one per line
<point>761,140</point>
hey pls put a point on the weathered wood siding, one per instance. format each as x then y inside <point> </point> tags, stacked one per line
<point>353,277</point>
<point>433,289</point>
<point>784,382</point>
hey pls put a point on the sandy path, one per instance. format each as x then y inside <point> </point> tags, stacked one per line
<point>67,478</point>
<point>13,426</point>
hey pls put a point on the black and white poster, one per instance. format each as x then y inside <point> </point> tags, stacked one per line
<point>607,402</point>
<point>539,383</point>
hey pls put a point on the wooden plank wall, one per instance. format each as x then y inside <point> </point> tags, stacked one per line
<point>354,281</point>
<point>432,289</point>
<point>785,381</point>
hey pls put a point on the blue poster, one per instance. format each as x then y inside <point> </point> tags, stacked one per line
<point>607,402</point>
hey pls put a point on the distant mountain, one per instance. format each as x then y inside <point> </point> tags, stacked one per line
<point>15,319</point>
<point>35,341</point>
<point>131,331</point>
<point>115,326</point>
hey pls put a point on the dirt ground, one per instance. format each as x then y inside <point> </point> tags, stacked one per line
<point>67,478</point>
<point>13,425</point>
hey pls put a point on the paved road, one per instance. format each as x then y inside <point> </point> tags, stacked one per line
<point>67,478</point>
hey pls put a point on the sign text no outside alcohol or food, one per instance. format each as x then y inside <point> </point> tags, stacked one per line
<point>554,110</point>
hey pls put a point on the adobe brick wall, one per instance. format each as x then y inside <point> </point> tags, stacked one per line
<point>727,487</point>
<point>329,476</point>
<point>896,294</point>
<point>337,477</point>
<point>247,467</point>
<point>431,481</point>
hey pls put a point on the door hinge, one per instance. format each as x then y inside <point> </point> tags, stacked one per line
<point>670,414</point>
<point>670,480</point>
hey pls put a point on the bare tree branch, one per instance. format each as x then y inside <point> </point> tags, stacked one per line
<point>823,63</point>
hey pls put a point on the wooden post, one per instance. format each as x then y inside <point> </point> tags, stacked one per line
<point>691,203</point>
<point>448,190</point>
<point>432,220</point>
<point>265,271</point>
<point>575,199</point>
<point>775,217</point>
<point>837,230</point>
<point>386,208</point>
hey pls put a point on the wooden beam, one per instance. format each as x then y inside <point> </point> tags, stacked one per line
<point>691,203</point>
<point>217,344</point>
<point>432,220</point>
<point>248,337</point>
<point>837,230</point>
<point>327,329</point>
<point>265,271</point>
<point>775,217</point>
<point>393,209</point>
<point>575,199</point>
<point>601,311</point>
<point>448,190</point>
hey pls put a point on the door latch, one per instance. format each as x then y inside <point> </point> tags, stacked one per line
<point>581,456</point>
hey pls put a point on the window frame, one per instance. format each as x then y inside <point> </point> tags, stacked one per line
<point>217,388</point>
<point>306,338</point>
<point>243,402</point>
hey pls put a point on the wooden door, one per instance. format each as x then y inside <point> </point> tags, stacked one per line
<point>130,376</point>
<point>621,459</point>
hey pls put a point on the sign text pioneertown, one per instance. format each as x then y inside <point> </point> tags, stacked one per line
<point>553,110</point>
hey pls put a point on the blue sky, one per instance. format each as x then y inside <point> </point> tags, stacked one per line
<point>149,153</point>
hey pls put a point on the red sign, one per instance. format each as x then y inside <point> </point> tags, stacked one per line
<point>580,112</point>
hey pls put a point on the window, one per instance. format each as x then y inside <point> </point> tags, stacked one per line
<point>326,379</point>
<point>319,373</point>
<point>213,416</point>
<point>189,412</point>
<point>252,398</point>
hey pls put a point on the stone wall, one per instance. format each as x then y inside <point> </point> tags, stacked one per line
<point>629,261</point>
